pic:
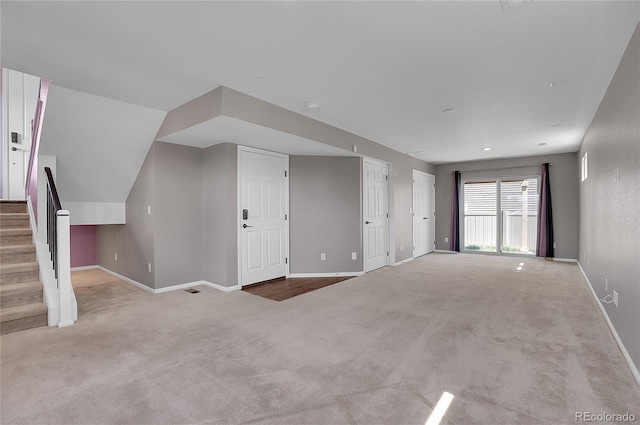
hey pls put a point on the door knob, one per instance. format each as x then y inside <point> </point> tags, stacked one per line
<point>425,218</point>
<point>367,222</point>
<point>244,226</point>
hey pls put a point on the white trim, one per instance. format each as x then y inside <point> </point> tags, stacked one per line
<point>337,274</point>
<point>625,353</point>
<point>126,279</point>
<point>565,260</point>
<point>446,251</point>
<point>222,288</point>
<point>180,286</point>
<point>170,288</point>
<point>5,133</point>
<point>405,261</point>
<point>77,269</point>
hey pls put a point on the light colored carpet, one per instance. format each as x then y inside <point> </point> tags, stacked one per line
<point>513,347</point>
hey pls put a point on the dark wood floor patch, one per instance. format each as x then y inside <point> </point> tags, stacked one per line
<point>283,289</point>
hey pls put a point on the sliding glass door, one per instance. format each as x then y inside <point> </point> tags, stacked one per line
<point>480,215</point>
<point>519,214</point>
<point>500,215</point>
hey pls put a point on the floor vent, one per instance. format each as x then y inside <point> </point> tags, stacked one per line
<point>192,291</point>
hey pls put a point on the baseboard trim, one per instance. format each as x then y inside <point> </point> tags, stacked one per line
<point>196,283</point>
<point>179,287</point>
<point>445,251</point>
<point>565,260</point>
<point>222,288</point>
<point>338,274</point>
<point>77,269</point>
<point>405,261</point>
<point>126,279</point>
<point>625,353</point>
<point>172,287</point>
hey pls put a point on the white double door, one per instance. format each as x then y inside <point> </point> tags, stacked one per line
<point>423,213</point>
<point>375,196</point>
<point>263,221</point>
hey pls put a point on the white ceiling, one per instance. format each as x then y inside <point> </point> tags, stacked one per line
<point>382,70</point>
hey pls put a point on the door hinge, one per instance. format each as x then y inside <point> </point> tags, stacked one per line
<point>285,217</point>
<point>286,261</point>
<point>386,177</point>
<point>387,215</point>
<point>285,173</point>
<point>387,253</point>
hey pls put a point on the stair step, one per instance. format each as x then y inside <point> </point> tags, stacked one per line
<point>20,294</point>
<point>14,220</point>
<point>15,236</point>
<point>13,206</point>
<point>19,318</point>
<point>18,273</point>
<point>17,254</point>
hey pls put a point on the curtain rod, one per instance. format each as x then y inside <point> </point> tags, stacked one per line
<point>501,168</point>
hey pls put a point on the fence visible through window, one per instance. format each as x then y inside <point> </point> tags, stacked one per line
<point>515,227</point>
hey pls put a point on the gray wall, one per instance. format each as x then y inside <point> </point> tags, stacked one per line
<point>325,214</point>
<point>610,209</point>
<point>564,194</point>
<point>247,108</point>
<point>177,214</point>
<point>134,242</point>
<point>219,222</point>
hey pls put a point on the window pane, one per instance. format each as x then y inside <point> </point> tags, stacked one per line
<point>519,203</point>
<point>480,218</point>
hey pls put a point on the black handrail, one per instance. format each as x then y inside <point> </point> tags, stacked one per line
<point>53,206</point>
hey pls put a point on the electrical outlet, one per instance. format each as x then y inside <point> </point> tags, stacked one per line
<point>116,256</point>
<point>446,239</point>
<point>149,209</point>
<point>149,267</point>
<point>323,256</point>
<point>606,285</point>
<point>354,255</point>
<point>615,298</point>
<point>401,247</point>
<point>554,245</point>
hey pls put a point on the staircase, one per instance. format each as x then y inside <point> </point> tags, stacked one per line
<point>21,302</point>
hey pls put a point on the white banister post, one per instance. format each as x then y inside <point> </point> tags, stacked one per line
<point>64,268</point>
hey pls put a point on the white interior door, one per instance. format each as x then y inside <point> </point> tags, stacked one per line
<point>375,196</point>
<point>264,193</point>
<point>431,213</point>
<point>420,213</point>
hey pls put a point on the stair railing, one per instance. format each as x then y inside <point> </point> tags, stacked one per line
<point>58,240</point>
